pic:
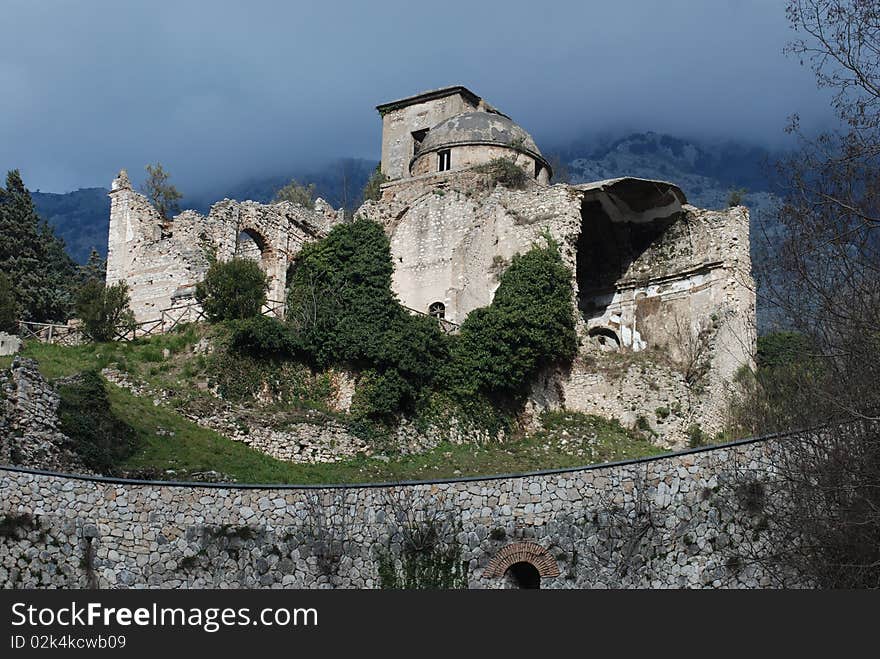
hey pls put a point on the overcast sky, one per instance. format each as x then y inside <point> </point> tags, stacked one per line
<point>220,90</point>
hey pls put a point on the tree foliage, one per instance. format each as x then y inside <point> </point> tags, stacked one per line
<point>373,188</point>
<point>232,290</point>
<point>343,311</point>
<point>162,194</point>
<point>95,267</point>
<point>43,276</point>
<point>529,326</point>
<point>296,193</point>
<point>103,310</point>
<point>822,510</point>
<point>8,306</point>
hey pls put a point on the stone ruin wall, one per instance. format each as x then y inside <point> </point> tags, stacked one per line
<point>684,304</point>
<point>687,290</point>
<point>158,258</point>
<point>29,425</point>
<point>583,528</point>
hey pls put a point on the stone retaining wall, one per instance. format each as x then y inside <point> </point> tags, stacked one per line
<point>668,522</point>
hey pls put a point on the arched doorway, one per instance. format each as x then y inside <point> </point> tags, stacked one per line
<point>251,244</point>
<point>523,575</point>
<point>522,565</point>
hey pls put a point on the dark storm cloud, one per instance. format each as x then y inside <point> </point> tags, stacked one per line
<point>223,90</point>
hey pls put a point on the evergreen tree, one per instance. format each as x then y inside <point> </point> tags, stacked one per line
<point>8,307</point>
<point>32,257</point>
<point>95,268</point>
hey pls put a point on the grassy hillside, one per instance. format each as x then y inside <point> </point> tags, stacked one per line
<point>169,446</point>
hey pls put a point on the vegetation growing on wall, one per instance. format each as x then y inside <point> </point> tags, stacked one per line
<point>342,311</point>
<point>530,325</point>
<point>504,171</point>
<point>429,554</point>
<point>164,197</point>
<point>373,188</point>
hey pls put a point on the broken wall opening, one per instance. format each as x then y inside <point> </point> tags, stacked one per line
<point>606,251</point>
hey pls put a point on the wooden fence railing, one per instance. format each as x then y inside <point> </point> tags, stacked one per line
<point>50,333</point>
<point>168,320</point>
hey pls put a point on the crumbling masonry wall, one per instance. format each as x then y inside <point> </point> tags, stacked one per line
<point>29,424</point>
<point>664,292</point>
<point>161,260</point>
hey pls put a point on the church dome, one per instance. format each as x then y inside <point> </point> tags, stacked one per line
<point>479,128</point>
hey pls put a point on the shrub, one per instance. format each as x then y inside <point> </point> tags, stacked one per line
<point>736,196</point>
<point>696,436</point>
<point>504,171</point>
<point>372,190</point>
<point>528,326</point>
<point>232,290</point>
<point>263,336</point>
<point>103,310</point>
<point>380,395</point>
<point>98,437</point>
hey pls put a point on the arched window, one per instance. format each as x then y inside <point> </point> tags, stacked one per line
<point>437,310</point>
<point>606,339</point>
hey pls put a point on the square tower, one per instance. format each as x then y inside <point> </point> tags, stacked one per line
<point>405,123</point>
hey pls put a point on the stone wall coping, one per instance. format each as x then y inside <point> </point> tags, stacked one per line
<point>363,486</point>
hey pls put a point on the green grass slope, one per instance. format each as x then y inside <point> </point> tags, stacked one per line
<point>171,447</point>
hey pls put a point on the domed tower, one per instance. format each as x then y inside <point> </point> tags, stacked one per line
<point>451,129</point>
<point>476,138</point>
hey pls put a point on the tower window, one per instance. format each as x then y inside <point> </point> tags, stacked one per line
<point>418,137</point>
<point>444,160</point>
<point>437,310</point>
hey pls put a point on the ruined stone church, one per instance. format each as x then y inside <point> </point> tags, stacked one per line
<point>664,292</point>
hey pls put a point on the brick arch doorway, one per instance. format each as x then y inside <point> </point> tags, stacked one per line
<point>523,564</point>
